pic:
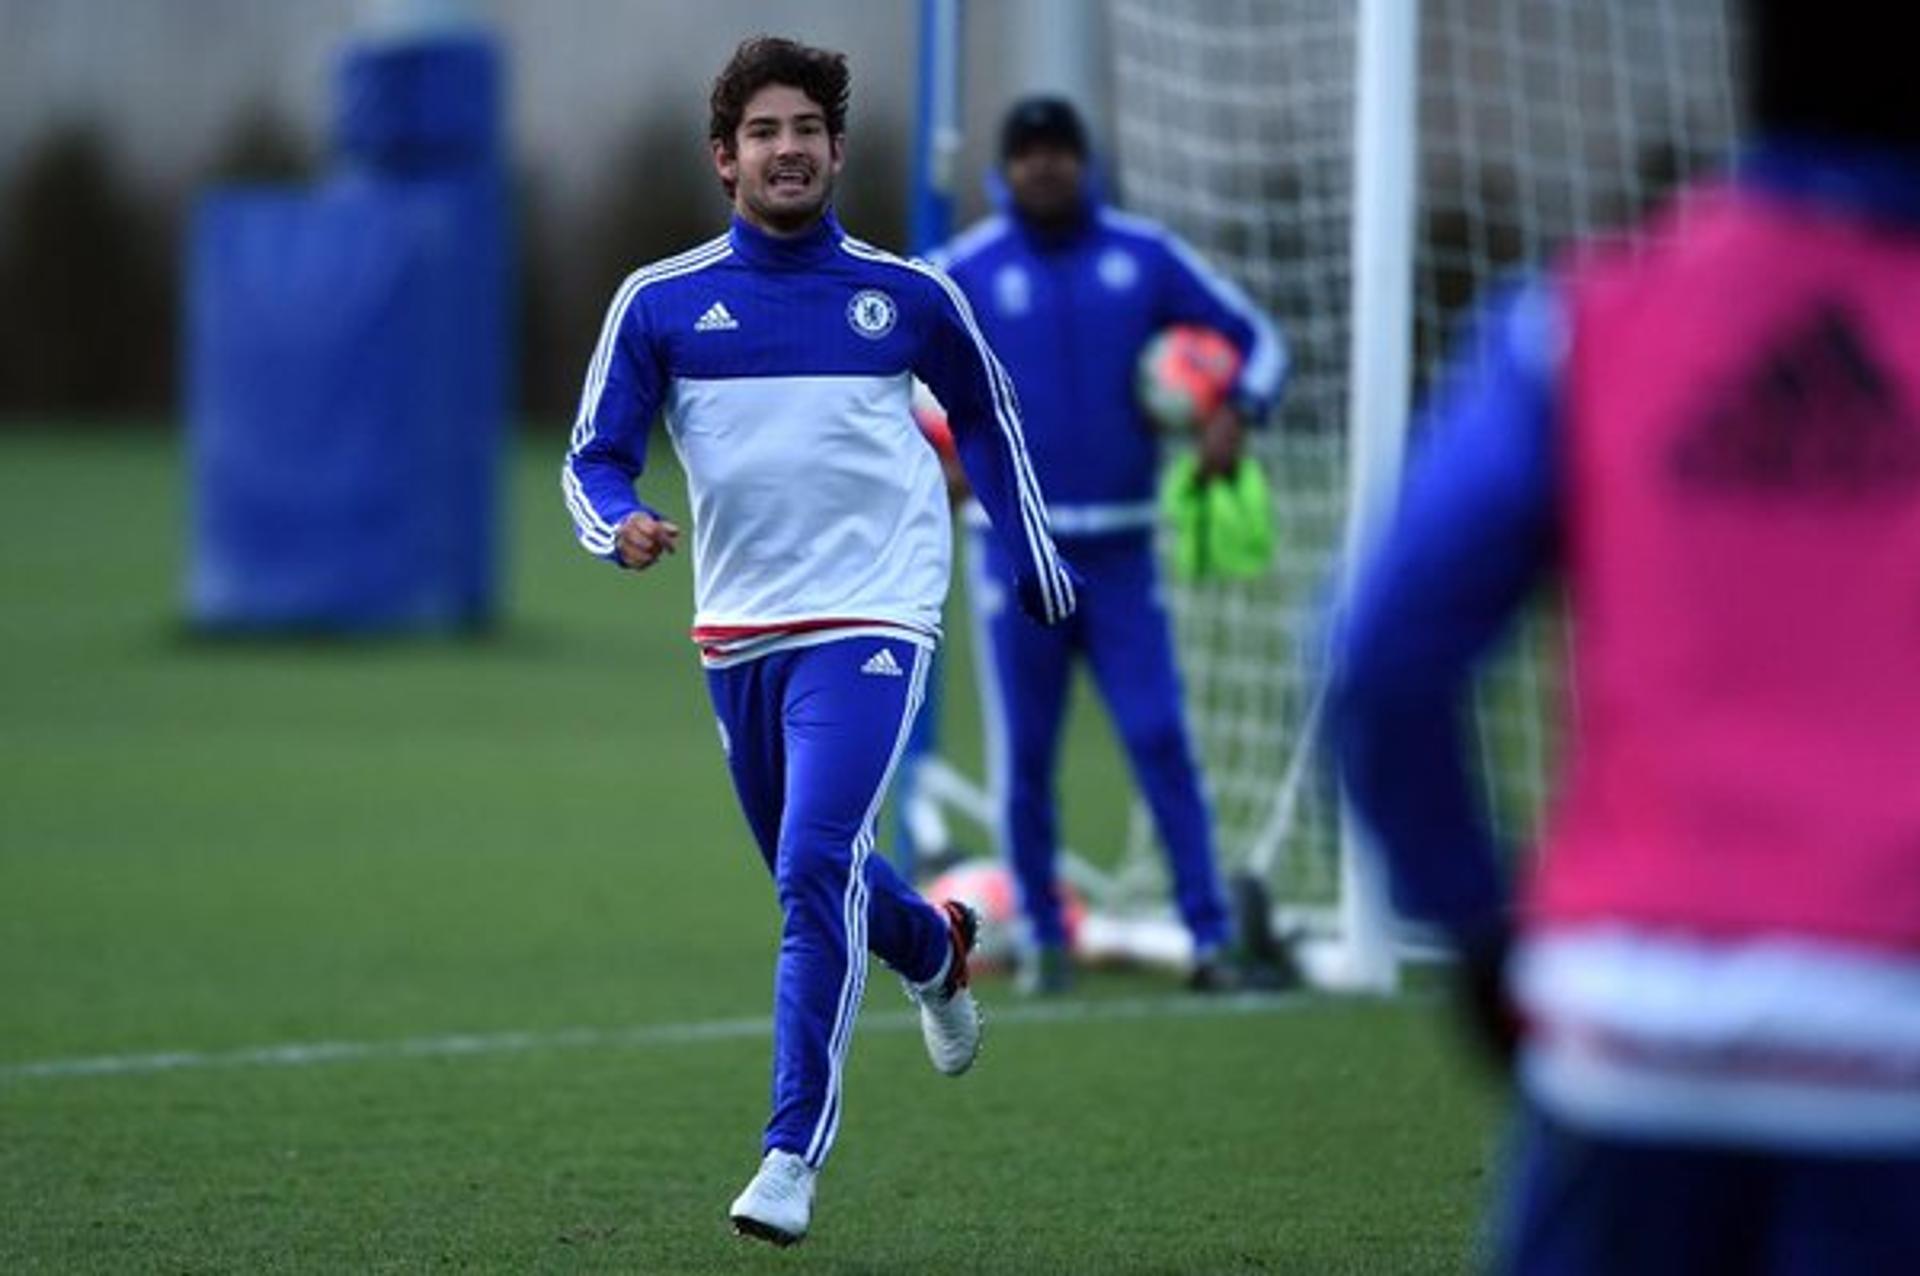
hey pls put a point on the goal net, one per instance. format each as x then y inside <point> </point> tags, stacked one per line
<point>1538,120</point>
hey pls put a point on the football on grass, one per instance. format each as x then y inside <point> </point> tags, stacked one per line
<point>988,889</point>
<point>1185,373</point>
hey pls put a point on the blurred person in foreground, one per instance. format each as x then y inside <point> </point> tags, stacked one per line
<point>1070,291</point>
<point>1713,436</point>
<point>780,353</point>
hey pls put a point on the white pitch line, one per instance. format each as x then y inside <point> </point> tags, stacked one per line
<point>465,1045</point>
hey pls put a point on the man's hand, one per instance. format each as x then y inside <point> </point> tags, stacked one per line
<point>1050,607</point>
<point>642,539</point>
<point>1219,444</point>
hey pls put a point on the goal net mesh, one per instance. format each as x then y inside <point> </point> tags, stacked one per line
<point>1539,120</point>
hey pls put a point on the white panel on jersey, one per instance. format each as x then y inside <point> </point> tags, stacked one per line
<point>813,497</point>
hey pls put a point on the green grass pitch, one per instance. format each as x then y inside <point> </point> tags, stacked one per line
<point>459,958</point>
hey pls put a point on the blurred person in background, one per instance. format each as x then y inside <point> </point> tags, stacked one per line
<point>1070,291</point>
<point>923,843</point>
<point>1712,435</point>
<point>780,354</point>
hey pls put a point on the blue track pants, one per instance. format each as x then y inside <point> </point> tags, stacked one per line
<point>1584,1204</point>
<point>812,737</point>
<point>1122,631</point>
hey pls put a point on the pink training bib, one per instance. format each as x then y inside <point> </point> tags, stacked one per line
<point>1742,463</point>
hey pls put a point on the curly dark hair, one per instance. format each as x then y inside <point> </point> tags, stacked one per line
<point>821,74</point>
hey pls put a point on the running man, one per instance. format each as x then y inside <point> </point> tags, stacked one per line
<point>781,355</point>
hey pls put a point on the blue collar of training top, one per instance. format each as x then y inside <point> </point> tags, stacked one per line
<point>786,252</point>
<point>1868,179</point>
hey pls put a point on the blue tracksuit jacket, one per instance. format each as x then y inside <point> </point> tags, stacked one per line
<point>1069,315</point>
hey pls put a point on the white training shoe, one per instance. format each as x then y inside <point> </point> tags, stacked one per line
<point>949,1016</point>
<point>778,1204</point>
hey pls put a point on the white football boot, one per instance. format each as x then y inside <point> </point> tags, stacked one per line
<point>778,1204</point>
<point>949,1016</point>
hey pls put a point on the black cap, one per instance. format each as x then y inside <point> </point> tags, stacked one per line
<point>1035,121</point>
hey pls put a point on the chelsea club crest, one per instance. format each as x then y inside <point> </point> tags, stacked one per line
<point>871,313</point>
<point>1118,270</point>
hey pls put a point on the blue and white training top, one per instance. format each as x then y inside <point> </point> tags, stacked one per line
<point>1070,312</point>
<point>783,367</point>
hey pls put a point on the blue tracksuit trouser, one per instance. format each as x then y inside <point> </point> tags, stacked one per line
<point>812,736</point>
<point>1592,1205</point>
<point>1123,632</point>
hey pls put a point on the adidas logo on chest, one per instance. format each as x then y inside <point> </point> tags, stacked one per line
<point>717,319</point>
